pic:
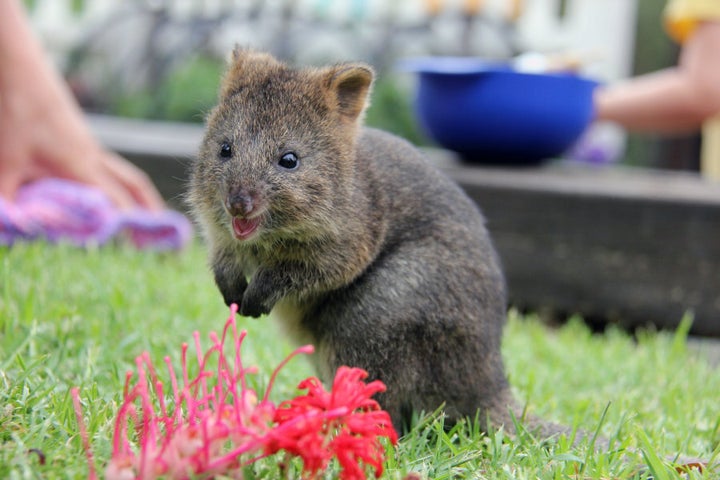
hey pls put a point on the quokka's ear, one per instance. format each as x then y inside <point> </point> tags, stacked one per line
<point>349,86</point>
<point>238,52</point>
<point>245,66</point>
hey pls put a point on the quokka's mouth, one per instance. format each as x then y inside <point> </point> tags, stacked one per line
<point>244,228</point>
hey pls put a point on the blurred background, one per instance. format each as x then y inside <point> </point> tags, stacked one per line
<point>162,59</point>
<point>632,246</point>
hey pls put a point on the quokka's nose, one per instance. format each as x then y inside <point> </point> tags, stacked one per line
<point>240,203</point>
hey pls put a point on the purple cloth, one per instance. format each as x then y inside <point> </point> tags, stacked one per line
<point>60,210</point>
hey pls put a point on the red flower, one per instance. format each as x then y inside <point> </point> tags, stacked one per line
<point>345,422</point>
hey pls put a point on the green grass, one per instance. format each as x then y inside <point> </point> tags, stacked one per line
<point>71,317</point>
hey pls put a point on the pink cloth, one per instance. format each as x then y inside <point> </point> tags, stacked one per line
<point>59,210</point>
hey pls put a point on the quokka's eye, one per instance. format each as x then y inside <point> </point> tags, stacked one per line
<point>289,161</point>
<point>225,150</point>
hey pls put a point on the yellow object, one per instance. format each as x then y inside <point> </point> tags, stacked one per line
<point>681,18</point>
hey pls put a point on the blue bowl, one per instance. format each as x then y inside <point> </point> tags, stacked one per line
<point>490,113</point>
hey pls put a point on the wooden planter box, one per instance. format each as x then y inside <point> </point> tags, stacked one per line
<point>634,247</point>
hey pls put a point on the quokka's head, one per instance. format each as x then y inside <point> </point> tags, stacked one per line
<point>279,149</point>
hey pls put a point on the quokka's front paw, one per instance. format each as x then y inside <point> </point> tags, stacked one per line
<point>263,292</point>
<point>232,289</point>
<point>253,306</point>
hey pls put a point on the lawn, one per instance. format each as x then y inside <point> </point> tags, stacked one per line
<point>72,317</point>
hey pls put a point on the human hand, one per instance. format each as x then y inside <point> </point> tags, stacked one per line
<point>43,133</point>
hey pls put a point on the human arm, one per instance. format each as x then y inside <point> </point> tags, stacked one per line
<point>675,100</point>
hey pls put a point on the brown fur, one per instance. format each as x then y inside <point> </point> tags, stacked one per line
<point>365,250</point>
